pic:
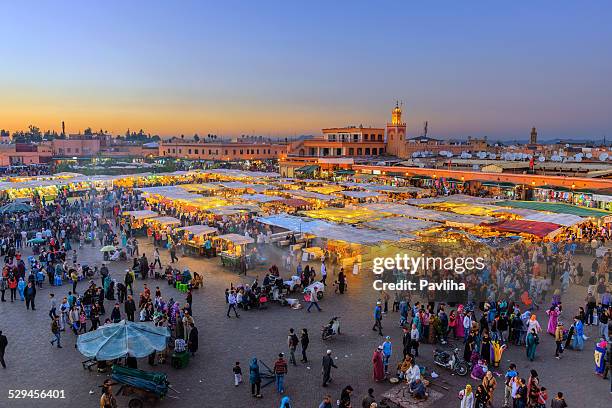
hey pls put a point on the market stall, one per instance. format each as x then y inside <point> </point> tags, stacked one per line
<point>137,218</point>
<point>233,251</point>
<point>197,239</point>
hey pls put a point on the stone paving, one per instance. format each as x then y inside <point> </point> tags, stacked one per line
<point>208,381</point>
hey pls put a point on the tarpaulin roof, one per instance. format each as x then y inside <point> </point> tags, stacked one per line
<point>430,215</point>
<point>401,224</point>
<point>455,198</point>
<point>346,215</point>
<point>238,185</point>
<point>294,202</point>
<point>236,239</point>
<point>359,194</point>
<point>328,230</point>
<point>164,220</point>
<point>198,229</point>
<point>116,340</point>
<point>141,214</point>
<point>567,220</point>
<point>260,198</point>
<point>556,208</point>
<point>310,194</point>
<point>540,229</point>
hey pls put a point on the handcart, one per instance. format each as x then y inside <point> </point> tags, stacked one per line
<point>141,386</point>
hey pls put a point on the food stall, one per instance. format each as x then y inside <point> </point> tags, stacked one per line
<point>233,250</point>
<point>137,218</point>
<point>194,239</point>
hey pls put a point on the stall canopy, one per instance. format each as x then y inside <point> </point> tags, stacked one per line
<point>429,215</point>
<point>455,198</point>
<point>164,221</point>
<point>294,202</point>
<point>555,208</point>
<point>328,230</point>
<point>360,194</point>
<point>198,229</point>
<point>401,224</point>
<point>260,198</point>
<point>567,220</point>
<point>307,169</point>
<point>238,185</point>
<point>141,214</point>
<point>539,229</point>
<point>236,239</point>
<point>310,194</point>
<point>116,340</point>
<point>346,215</point>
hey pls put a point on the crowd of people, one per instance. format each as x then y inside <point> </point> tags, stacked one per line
<point>504,305</point>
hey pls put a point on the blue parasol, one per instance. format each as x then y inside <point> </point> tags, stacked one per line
<point>116,340</point>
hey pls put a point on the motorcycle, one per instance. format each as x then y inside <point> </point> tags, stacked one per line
<point>331,329</point>
<point>451,361</point>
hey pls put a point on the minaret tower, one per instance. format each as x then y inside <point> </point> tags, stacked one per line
<point>396,133</point>
<point>533,136</point>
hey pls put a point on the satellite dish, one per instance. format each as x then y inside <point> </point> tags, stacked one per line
<point>567,145</point>
<point>603,156</point>
<point>589,155</point>
<point>578,158</point>
<point>541,159</point>
<point>492,156</point>
<point>482,155</point>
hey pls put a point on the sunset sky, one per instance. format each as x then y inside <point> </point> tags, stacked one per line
<point>287,68</point>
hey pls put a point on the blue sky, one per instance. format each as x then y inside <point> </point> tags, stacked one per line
<point>283,68</point>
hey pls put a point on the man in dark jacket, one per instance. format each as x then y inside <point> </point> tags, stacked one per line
<point>116,314</point>
<point>328,363</point>
<point>130,308</point>
<point>30,294</point>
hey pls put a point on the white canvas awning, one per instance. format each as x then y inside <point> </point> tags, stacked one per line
<point>567,220</point>
<point>236,239</point>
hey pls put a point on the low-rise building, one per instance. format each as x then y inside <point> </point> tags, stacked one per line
<point>222,150</point>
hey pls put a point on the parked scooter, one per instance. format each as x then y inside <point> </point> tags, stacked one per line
<point>331,329</point>
<point>451,361</point>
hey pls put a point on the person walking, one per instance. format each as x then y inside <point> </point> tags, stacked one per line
<point>280,369</point>
<point>327,402</point>
<point>532,343</point>
<point>323,273</point>
<point>130,308</point>
<point>467,397</point>
<point>313,299</point>
<point>387,351</point>
<point>55,330</point>
<point>511,373</point>
<point>369,399</point>
<point>292,343</point>
<point>328,363</point>
<point>156,256</point>
<point>3,286</point>
<point>3,344</point>
<point>29,294</point>
<point>304,341</point>
<point>559,340</point>
<point>378,318</point>
<point>231,304</point>
<point>173,257</point>
<point>558,401</point>
<point>255,378</point>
